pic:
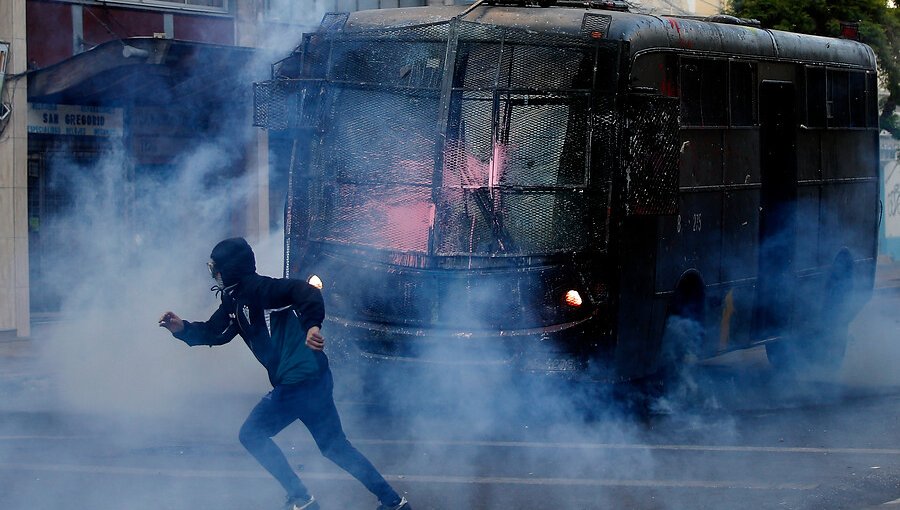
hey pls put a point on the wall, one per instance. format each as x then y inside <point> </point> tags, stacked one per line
<point>14,308</point>
<point>58,30</point>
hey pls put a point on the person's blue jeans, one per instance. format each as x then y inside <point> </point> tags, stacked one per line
<point>311,402</point>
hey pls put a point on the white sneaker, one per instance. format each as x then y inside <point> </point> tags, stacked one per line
<point>301,504</point>
<point>402,505</point>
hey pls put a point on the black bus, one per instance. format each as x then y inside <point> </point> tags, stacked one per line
<point>570,189</point>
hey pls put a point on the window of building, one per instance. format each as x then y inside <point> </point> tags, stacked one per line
<point>308,12</point>
<point>197,5</point>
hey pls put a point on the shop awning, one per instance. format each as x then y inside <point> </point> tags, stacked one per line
<point>149,71</point>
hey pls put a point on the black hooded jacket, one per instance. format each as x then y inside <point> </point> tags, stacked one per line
<point>272,315</point>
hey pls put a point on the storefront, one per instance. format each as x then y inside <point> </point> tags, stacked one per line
<point>148,103</point>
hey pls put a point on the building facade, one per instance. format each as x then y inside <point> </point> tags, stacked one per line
<point>889,242</point>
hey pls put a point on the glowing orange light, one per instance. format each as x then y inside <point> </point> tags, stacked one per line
<point>315,281</point>
<point>573,298</point>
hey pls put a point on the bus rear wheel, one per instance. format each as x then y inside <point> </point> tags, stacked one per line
<point>819,348</point>
<point>818,353</point>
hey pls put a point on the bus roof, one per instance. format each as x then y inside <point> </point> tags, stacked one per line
<point>642,31</point>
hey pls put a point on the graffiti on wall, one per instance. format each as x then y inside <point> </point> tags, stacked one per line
<point>892,200</point>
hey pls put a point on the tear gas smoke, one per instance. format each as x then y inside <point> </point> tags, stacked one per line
<point>118,271</point>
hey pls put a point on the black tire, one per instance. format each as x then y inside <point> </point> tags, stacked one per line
<point>820,347</point>
<point>814,354</point>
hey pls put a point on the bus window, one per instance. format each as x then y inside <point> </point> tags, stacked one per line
<point>657,71</point>
<point>492,65</point>
<point>516,151</point>
<point>871,91</point>
<point>857,99</point>
<point>742,93</point>
<point>815,97</point>
<point>838,98</point>
<point>408,64</point>
<point>703,95</point>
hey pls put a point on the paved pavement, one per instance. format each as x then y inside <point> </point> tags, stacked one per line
<point>887,274</point>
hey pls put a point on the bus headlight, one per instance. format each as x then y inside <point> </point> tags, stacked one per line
<point>315,281</point>
<point>573,299</point>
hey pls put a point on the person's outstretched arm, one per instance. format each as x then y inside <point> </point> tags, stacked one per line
<point>218,330</point>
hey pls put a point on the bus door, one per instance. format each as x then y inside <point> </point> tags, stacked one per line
<point>778,207</point>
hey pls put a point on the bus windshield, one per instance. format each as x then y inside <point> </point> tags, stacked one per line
<point>489,157</point>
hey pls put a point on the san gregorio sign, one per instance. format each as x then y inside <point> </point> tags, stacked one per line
<point>75,120</point>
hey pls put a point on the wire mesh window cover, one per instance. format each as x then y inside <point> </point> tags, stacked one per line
<point>287,104</point>
<point>653,145</point>
<point>389,63</point>
<point>379,151</point>
<point>510,223</point>
<point>510,66</point>
<point>514,165</point>
<point>390,217</point>
<point>377,137</point>
<point>517,140</point>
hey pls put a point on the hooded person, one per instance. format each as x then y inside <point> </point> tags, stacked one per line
<point>280,320</point>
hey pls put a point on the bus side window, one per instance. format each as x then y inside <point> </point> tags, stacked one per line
<point>742,93</point>
<point>703,92</point>
<point>838,98</point>
<point>872,104</point>
<point>816,109</point>
<point>657,71</point>
<point>857,99</point>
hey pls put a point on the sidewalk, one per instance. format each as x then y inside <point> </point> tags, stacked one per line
<point>887,274</point>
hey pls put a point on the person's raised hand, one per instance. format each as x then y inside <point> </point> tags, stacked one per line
<point>172,322</point>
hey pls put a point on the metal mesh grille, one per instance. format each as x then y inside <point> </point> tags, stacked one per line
<point>653,145</point>
<point>287,104</point>
<point>380,151</point>
<point>605,144</point>
<point>514,173</point>
<point>480,32</point>
<point>596,25</point>
<point>542,141</point>
<point>389,63</point>
<point>333,21</point>
<point>512,222</point>
<point>429,32</point>
<point>523,67</point>
<point>270,105</point>
<point>378,137</point>
<point>546,140</point>
<point>387,217</point>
